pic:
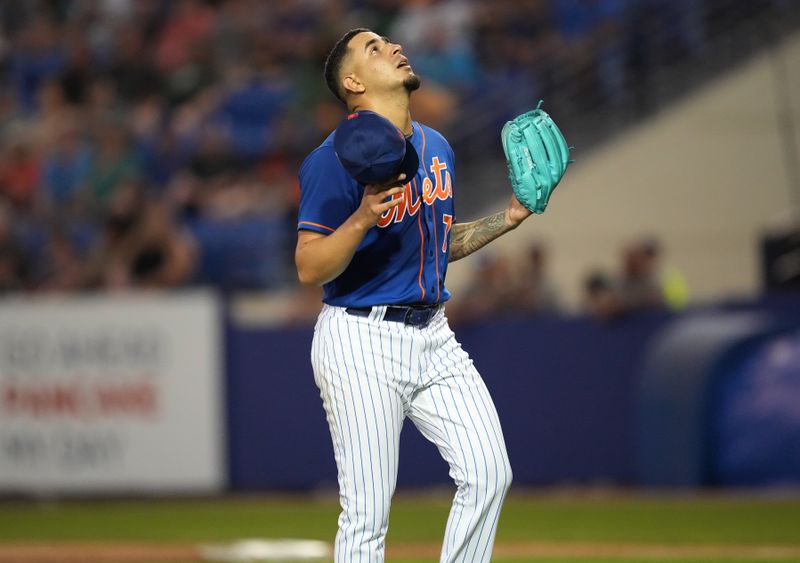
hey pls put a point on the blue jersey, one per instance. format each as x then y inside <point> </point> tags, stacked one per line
<point>403,259</point>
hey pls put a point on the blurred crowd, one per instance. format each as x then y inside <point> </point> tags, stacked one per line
<point>155,143</point>
<point>515,285</point>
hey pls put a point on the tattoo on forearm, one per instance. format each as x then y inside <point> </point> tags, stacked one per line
<point>466,238</point>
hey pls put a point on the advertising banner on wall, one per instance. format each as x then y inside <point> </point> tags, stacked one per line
<point>107,394</point>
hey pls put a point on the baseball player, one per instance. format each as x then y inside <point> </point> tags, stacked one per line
<point>382,350</point>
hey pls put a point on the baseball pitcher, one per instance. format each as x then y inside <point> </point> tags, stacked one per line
<point>377,229</point>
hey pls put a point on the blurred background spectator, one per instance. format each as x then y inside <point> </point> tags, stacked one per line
<point>537,292</point>
<point>602,299</point>
<point>503,285</point>
<point>13,267</point>
<point>639,284</point>
<point>491,292</point>
<point>155,143</point>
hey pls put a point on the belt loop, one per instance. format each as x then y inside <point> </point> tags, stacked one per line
<point>377,313</point>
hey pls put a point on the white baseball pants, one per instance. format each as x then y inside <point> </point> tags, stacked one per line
<point>372,374</point>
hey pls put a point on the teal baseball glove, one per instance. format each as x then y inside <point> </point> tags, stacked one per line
<point>537,156</point>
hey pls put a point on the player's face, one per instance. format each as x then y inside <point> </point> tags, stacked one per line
<point>380,64</point>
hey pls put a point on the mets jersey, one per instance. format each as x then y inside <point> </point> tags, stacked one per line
<point>403,259</point>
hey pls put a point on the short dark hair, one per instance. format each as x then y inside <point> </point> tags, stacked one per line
<point>333,64</point>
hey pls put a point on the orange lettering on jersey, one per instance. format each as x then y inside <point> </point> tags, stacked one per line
<point>441,188</point>
<point>413,206</point>
<point>427,191</point>
<point>400,210</point>
<point>448,224</point>
<point>387,217</point>
<point>397,214</point>
<point>436,169</point>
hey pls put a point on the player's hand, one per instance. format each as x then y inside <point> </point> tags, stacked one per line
<point>516,213</point>
<point>379,198</point>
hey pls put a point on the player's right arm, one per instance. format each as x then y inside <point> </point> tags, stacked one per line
<point>321,258</point>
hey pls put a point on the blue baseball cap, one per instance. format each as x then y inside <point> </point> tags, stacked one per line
<point>372,150</point>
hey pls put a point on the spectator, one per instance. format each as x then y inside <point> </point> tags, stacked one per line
<point>438,37</point>
<point>13,265</point>
<point>255,100</point>
<point>130,70</point>
<point>236,29</point>
<point>647,283</point>
<point>53,115</point>
<point>190,23</point>
<point>601,298</point>
<point>161,152</point>
<point>119,221</point>
<point>673,284</point>
<point>193,76</point>
<point>78,69</point>
<point>62,266</point>
<point>36,56</point>
<point>516,42</point>
<point>103,104</point>
<point>591,34</point>
<point>537,293</point>
<point>141,247</point>
<point>639,285</point>
<point>155,255</point>
<point>213,156</point>
<point>489,294</point>
<point>114,163</point>
<point>20,171</point>
<point>65,170</point>
<point>209,103</point>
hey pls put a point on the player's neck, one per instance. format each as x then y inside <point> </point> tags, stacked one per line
<point>394,109</point>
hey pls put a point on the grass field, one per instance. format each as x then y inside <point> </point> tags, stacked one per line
<point>533,527</point>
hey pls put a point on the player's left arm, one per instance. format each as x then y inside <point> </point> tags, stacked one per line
<point>466,238</point>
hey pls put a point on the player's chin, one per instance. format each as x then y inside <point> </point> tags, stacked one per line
<point>412,82</point>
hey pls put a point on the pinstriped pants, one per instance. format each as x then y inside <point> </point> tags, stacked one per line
<point>372,374</point>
